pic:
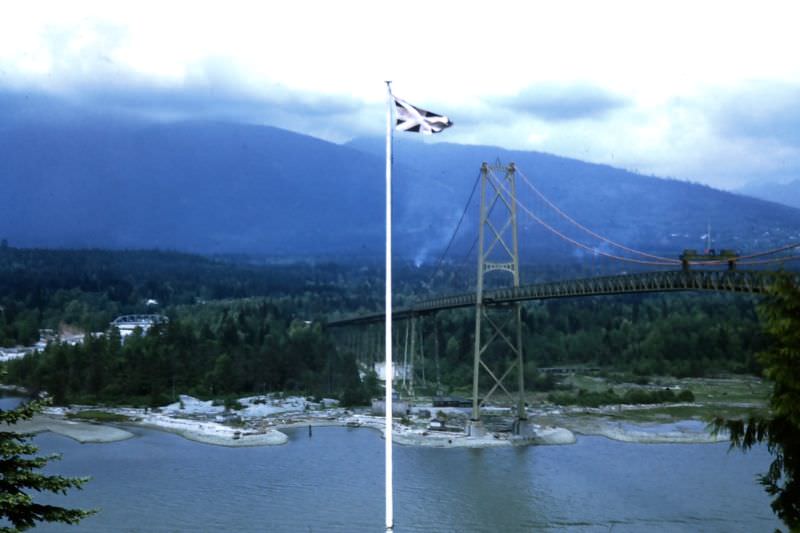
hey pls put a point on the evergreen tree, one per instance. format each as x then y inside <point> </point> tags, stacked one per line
<point>780,313</point>
<point>19,476</point>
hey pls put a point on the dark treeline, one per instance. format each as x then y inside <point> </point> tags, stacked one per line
<point>212,350</point>
<point>238,328</point>
<point>86,289</point>
<point>683,335</point>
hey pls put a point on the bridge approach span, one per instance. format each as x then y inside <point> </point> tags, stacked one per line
<point>740,281</point>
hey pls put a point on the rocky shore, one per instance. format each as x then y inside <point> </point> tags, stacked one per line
<point>259,421</point>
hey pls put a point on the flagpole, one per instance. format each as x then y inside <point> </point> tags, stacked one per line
<point>388,318</point>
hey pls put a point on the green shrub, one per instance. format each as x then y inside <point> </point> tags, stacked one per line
<point>232,404</point>
<point>98,416</point>
<point>585,398</point>
<point>686,396</point>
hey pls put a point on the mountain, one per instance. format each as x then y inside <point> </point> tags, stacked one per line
<point>644,212</point>
<point>198,186</point>
<point>214,187</point>
<point>784,193</point>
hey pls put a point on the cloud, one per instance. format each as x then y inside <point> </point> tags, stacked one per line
<point>758,110</point>
<point>723,136</point>
<point>211,101</point>
<point>747,132</point>
<point>561,102</point>
<point>213,90</point>
<point>91,67</point>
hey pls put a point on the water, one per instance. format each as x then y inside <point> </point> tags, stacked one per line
<point>681,426</point>
<point>158,482</point>
<point>8,402</point>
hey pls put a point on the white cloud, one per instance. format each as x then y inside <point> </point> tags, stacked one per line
<point>665,63</point>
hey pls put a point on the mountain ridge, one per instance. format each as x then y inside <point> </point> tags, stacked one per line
<point>782,193</point>
<point>219,187</point>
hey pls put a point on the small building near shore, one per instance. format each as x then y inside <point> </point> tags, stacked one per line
<point>400,372</point>
<point>451,401</point>
<point>17,352</point>
<point>399,407</point>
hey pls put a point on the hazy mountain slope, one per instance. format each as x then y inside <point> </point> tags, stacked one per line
<point>193,186</point>
<point>220,187</point>
<point>650,213</point>
<point>784,193</point>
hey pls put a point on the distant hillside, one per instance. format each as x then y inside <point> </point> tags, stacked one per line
<point>133,277</point>
<point>207,187</point>
<point>663,215</point>
<point>215,187</point>
<point>784,193</point>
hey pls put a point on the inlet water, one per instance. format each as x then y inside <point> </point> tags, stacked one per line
<point>333,481</point>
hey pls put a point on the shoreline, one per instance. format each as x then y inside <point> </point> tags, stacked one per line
<point>216,434</point>
<point>260,421</point>
<point>83,432</point>
<point>212,432</point>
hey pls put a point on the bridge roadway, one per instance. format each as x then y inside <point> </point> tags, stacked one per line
<point>740,281</point>
<point>139,320</point>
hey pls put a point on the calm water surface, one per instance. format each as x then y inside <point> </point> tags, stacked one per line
<point>333,481</point>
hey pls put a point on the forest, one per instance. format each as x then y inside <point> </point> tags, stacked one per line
<point>239,325</point>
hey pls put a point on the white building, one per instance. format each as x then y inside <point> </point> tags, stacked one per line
<point>17,352</point>
<point>399,371</point>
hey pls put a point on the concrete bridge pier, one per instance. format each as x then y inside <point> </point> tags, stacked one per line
<point>475,428</point>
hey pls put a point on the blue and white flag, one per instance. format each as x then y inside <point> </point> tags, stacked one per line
<point>411,118</point>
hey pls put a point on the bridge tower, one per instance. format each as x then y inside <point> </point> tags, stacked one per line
<point>498,251</point>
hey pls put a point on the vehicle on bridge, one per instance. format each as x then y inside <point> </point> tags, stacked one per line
<point>689,257</point>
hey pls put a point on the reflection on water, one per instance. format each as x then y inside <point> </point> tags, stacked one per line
<point>682,426</point>
<point>334,482</point>
<point>7,402</point>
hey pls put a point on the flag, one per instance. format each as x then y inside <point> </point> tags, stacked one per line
<point>410,118</point>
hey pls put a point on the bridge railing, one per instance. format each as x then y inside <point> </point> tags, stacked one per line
<point>139,319</point>
<point>738,281</point>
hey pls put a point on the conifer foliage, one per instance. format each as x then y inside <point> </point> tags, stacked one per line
<point>780,431</point>
<point>21,476</point>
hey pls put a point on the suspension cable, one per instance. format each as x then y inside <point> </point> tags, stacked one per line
<point>469,252</point>
<point>645,254</point>
<point>589,231</point>
<point>660,261</point>
<point>455,232</point>
<point>573,241</point>
<point>772,260</point>
<point>770,252</point>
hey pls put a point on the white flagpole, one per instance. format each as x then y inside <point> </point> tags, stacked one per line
<point>388,307</point>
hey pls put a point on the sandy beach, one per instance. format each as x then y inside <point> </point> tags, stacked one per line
<point>213,432</point>
<point>80,431</point>
<point>681,432</point>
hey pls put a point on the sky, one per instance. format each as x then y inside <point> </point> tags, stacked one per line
<point>707,92</point>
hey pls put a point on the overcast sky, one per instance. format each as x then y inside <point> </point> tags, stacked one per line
<point>702,91</point>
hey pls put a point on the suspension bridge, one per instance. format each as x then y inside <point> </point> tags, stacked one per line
<point>498,308</point>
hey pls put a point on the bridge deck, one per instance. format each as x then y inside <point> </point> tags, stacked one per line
<point>741,281</point>
<point>139,320</point>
